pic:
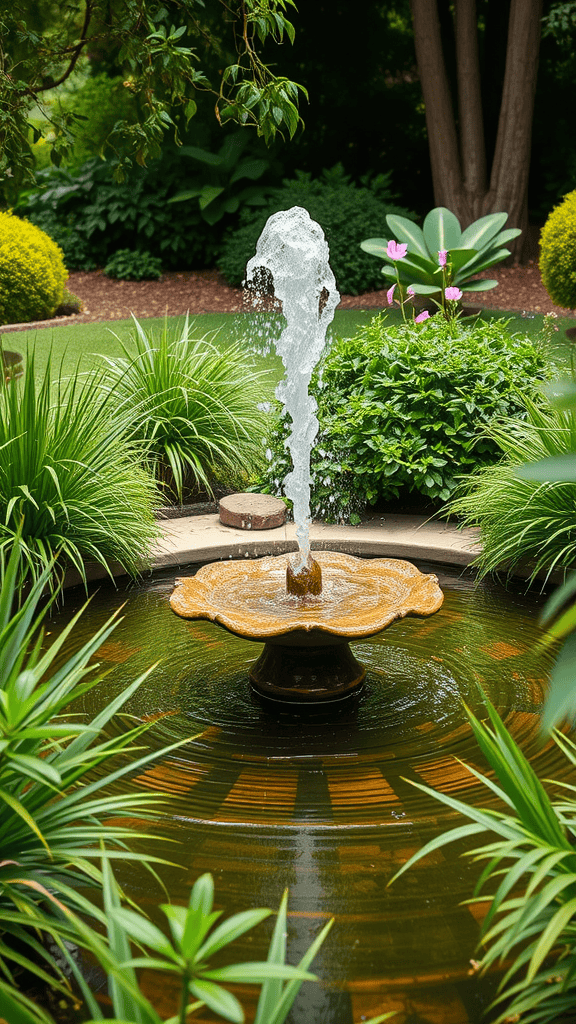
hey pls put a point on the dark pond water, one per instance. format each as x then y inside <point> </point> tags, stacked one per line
<point>325,805</point>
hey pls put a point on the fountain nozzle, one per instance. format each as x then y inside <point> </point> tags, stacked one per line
<point>303,578</point>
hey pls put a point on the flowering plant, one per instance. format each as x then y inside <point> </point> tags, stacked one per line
<point>465,253</point>
<point>396,253</point>
<point>449,294</point>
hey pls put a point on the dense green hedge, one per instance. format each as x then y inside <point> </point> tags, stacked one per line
<point>403,409</point>
<point>347,213</point>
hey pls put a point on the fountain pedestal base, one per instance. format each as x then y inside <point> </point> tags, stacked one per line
<point>304,669</point>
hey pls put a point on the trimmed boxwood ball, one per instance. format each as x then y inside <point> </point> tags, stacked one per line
<point>32,272</point>
<point>558,253</point>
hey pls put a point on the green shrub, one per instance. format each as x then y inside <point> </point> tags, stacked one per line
<point>69,479</point>
<point>195,409</point>
<point>345,213</point>
<point>522,520</point>
<point>558,253</point>
<point>92,216</point>
<point>32,272</point>
<point>130,265</point>
<point>402,409</point>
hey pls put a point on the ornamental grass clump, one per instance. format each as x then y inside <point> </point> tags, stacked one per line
<point>32,272</point>
<point>61,814</point>
<point>402,411</point>
<point>195,409</point>
<point>528,882</point>
<point>523,521</point>
<point>70,480</point>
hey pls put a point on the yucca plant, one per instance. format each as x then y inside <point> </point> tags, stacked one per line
<point>196,408</point>
<point>465,253</point>
<point>524,521</point>
<point>531,865</point>
<point>196,937</point>
<point>55,808</point>
<point>70,481</point>
<point>193,942</point>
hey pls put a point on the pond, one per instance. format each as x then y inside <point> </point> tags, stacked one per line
<point>323,803</point>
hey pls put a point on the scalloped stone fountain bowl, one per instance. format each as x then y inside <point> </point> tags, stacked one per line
<point>306,656</point>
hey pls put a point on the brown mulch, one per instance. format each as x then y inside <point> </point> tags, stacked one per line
<point>205,291</point>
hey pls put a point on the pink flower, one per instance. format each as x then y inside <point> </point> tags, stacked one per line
<point>396,251</point>
<point>410,293</point>
<point>442,257</point>
<point>453,294</point>
<point>421,316</point>
<point>390,294</point>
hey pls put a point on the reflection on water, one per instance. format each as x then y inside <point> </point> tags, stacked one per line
<point>324,804</point>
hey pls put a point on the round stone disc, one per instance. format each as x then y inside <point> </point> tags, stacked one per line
<point>252,511</point>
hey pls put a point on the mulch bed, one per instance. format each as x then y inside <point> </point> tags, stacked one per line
<point>519,289</point>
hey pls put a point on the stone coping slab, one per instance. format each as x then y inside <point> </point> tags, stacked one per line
<point>204,538</point>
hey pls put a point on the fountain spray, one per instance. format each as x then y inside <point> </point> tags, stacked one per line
<point>293,250</point>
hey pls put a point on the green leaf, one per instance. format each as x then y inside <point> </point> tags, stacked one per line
<point>291,989</point>
<point>203,155</point>
<point>550,935</point>
<point>218,1000</point>
<point>442,230</point>
<point>562,394</point>
<point>15,1008</point>
<point>209,194</point>
<point>406,231</point>
<point>257,972</point>
<point>561,700</point>
<point>251,169</point>
<point>556,468</point>
<point>458,258</point>
<point>143,931</point>
<point>462,832</point>
<point>482,232</point>
<point>230,930</point>
<point>189,193</point>
<point>484,285</point>
<point>558,599</point>
<point>202,894</point>
<point>375,246</point>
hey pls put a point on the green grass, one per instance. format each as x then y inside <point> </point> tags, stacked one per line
<point>85,343</point>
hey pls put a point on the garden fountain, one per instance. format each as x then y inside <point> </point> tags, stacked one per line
<point>305,609</point>
<point>324,803</point>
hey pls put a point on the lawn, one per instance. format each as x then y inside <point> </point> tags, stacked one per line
<point>85,344</point>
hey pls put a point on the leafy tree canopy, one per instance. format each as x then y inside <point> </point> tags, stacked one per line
<point>167,51</point>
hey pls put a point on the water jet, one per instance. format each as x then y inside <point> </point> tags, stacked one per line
<point>306,608</point>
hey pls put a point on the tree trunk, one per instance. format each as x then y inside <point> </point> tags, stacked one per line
<point>471,121</point>
<point>511,164</point>
<point>459,174</point>
<point>442,136</point>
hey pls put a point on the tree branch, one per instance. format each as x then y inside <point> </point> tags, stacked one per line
<point>76,51</point>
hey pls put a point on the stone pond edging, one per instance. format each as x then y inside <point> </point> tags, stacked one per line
<point>204,538</point>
